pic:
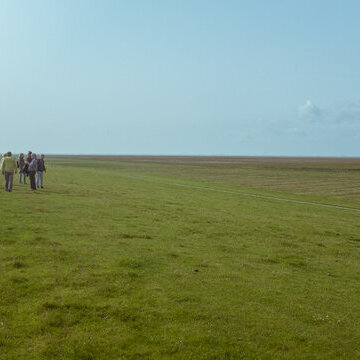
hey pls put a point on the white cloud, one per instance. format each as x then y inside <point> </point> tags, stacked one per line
<point>309,111</point>
<point>340,119</point>
<point>341,114</point>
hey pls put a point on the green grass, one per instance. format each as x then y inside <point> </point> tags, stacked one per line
<point>100,266</point>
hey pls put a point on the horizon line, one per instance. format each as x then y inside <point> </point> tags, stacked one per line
<point>207,155</point>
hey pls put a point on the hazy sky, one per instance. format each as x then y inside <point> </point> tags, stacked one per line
<point>180,77</point>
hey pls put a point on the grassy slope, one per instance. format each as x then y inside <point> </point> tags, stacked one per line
<point>98,266</point>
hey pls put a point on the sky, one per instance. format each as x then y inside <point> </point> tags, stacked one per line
<point>190,77</point>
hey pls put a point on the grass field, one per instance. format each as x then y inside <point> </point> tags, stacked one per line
<point>115,260</point>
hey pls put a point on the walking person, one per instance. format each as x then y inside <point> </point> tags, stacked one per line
<point>21,166</point>
<point>33,166</point>
<point>8,168</point>
<point>40,172</point>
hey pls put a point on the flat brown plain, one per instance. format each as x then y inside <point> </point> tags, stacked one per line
<point>251,161</point>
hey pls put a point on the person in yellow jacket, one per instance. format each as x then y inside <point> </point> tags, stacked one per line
<point>8,168</point>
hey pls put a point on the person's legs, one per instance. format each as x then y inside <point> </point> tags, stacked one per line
<point>32,180</point>
<point>24,178</point>
<point>11,180</point>
<point>7,181</point>
<point>42,179</point>
<point>20,176</point>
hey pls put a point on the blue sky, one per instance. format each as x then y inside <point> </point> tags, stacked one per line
<point>180,77</point>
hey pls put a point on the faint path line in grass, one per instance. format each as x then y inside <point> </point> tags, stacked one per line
<point>269,197</point>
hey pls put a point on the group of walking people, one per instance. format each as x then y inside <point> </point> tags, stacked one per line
<point>31,166</point>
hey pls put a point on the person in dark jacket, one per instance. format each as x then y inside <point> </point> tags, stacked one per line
<point>26,169</point>
<point>33,166</point>
<point>40,172</point>
<point>29,159</point>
